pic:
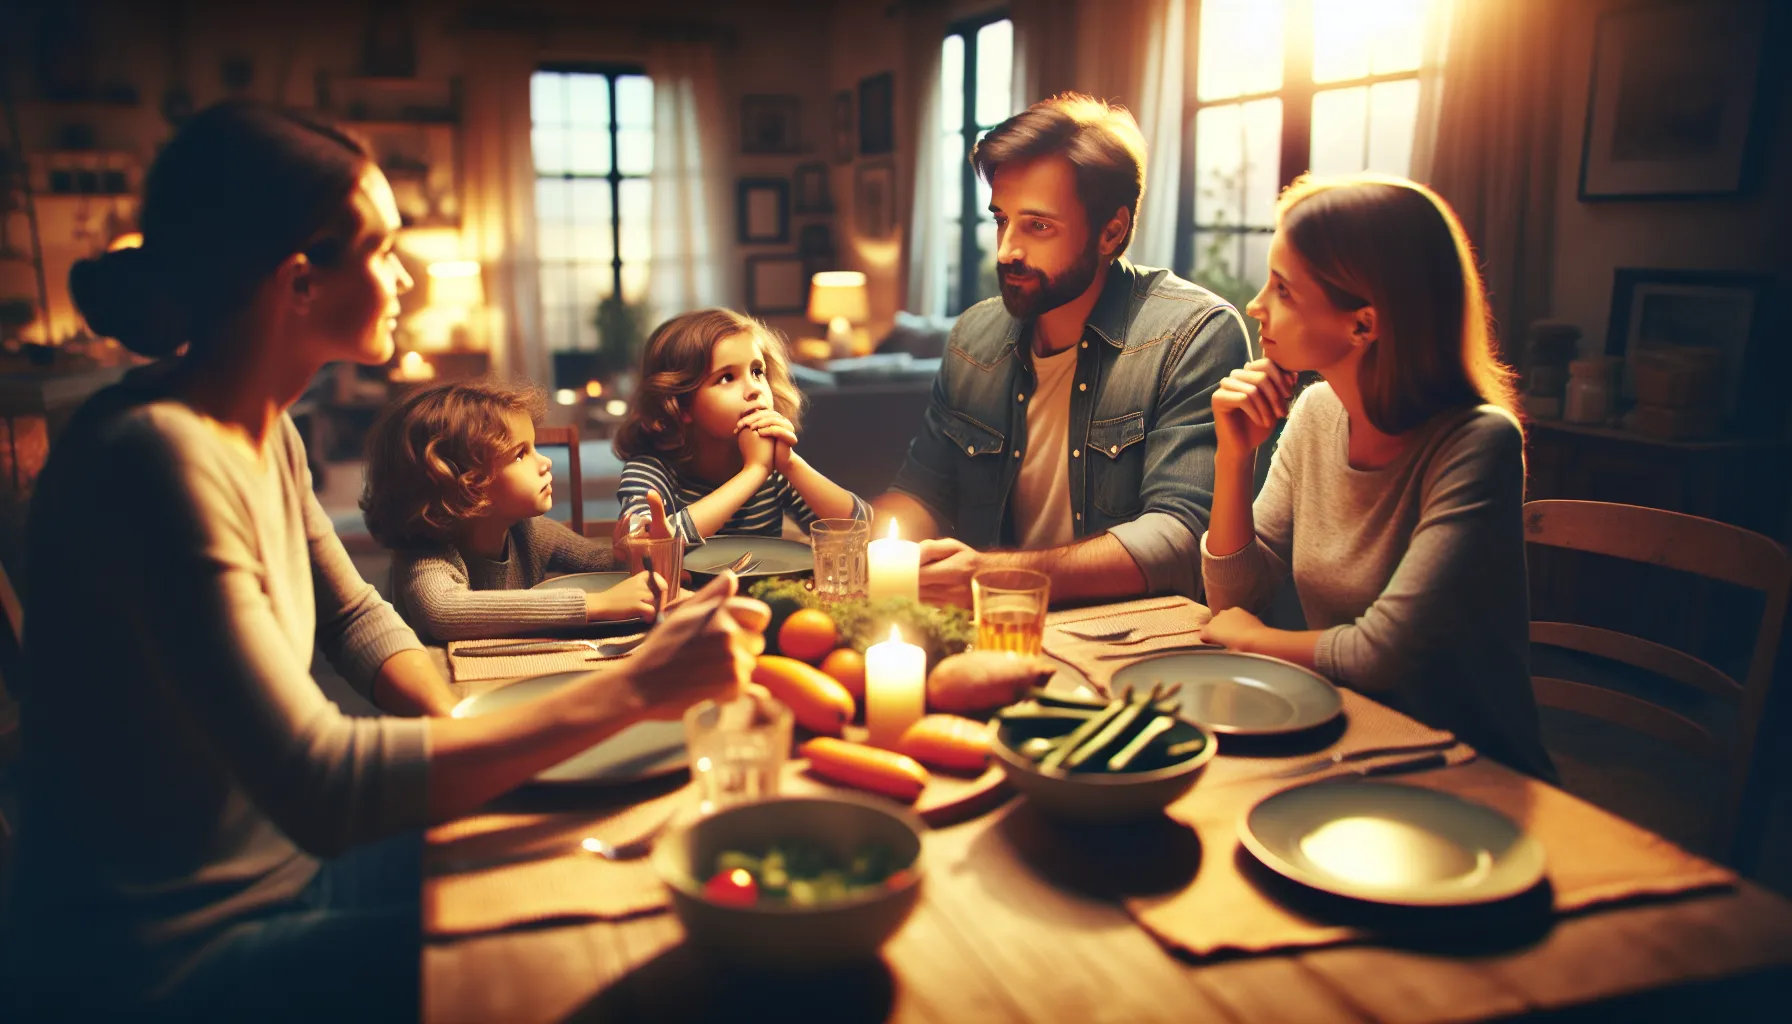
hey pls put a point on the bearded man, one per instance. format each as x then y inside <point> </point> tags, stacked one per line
<point>1070,429</point>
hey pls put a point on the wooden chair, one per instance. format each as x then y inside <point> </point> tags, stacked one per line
<point>568,436</point>
<point>11,658</point>
<point>1688,544</point>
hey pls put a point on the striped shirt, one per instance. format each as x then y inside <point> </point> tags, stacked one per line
<point>761,516</point>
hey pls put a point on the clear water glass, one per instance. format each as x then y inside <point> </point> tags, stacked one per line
<point>737,749</point>
<point>841,569</point>
<point>668,562</point>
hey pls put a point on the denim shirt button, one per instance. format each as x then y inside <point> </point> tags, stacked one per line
<point>1085,344</point>
<point>1076,453</point>
<point>1079,517</point>
<point>970,449</point>
<point>1113,449</point>
<point>1082,387</point>
<point>1017,453</point>
<point>1021,397</point>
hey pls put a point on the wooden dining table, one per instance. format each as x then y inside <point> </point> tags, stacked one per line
<point>1017,923</point>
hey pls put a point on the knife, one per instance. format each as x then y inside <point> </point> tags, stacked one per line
<point>1334,760</point>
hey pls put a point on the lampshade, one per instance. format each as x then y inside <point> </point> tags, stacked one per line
<point>839,293</point>
<point>455,285</point>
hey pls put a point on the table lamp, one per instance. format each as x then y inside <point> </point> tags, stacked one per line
<point>838,299</point>
<point>455,291</point>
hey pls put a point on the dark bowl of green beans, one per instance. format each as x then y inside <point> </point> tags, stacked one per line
<point>1099,760</point>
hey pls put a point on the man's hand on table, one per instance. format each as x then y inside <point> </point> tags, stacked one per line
<point>1234,628</point>
<point>946,569</point>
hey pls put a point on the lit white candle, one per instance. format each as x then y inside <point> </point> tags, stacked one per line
<point>895,688</point>
<point>895,567</point>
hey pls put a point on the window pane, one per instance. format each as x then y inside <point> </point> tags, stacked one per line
<point>1352,39</point>
<point>634,151</point>
<point>949,239</point>
<point>1223,265</point>
<point>550,144</point>
<point>588,100</point>
<point>637,202</point>
<point>591,282</point>
<point>634,101</point>
<point>952,84</point>
<point>1241,48</point>
<point>1238,152</point>
<point>547,97</point>
<point>995,72</point>
<point>555,283</point>
<point>1255,270</point>
<point>590,201</point>
<point>1339,117</point>
<point>590,150</point>
<point>634,281</point>
<point>1393,111</point>
<point>553,240</point>
<point>554,328</point>
<point>952,164</point>
<point>551,202</point>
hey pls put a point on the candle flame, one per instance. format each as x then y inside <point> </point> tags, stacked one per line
<point>893,534</point>
<point>895,636</point>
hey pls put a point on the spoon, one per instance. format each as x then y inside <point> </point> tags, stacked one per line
<point>632,849</point>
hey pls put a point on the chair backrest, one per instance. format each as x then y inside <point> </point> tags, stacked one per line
<point>575,484</point>
<point>1688,544</point>
<point>11,657</point>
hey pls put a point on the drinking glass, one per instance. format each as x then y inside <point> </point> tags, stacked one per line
<point>737,749</point>
<point>840,566</point>
<point>668,562</point>
<point>1009,605</point>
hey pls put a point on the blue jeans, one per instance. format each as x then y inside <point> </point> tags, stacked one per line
<point>350,947</point>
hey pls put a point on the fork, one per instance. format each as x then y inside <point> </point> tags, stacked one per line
<point>632,849</point>
<point>615,650</point>
<point>747,562</point>
<point>1152,636</point>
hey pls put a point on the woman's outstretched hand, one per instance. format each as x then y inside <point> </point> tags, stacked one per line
<point>702,651</point>
<point>1249,403</point>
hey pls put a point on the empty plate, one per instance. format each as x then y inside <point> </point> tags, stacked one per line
<point>589,582</point>
<point>645,750</point>
<point>1388,843</point>
<point>777,556</point>
<point>1239,694</point>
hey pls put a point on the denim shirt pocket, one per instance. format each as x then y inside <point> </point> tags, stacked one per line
<point>979,477</point>
<point>1119,470</point>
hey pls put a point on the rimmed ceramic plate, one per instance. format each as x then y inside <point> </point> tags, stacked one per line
<point>646,750</point>
<point>1387,843</point>
<point>777,556</point>
<point>1239,694</point>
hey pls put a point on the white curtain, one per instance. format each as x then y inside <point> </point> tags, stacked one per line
<point>693,263</point>
<point>925,241</point>
<point>498,227</point>
<point>1129,52</point>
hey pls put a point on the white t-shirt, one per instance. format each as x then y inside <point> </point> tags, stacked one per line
<point>1042,492</point>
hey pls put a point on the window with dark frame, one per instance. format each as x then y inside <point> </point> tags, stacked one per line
<point>592,127</point>
<point>976,94</point>
<point>1276,89</point>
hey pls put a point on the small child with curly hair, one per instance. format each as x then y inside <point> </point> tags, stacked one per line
<point>457,490</point>
<point>713,430</point>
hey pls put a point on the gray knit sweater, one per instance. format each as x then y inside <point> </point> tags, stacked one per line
<point>184,771</point>
<point>447,595</point>
<point>1415,571</point>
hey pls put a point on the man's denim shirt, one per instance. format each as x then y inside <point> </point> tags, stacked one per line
<point>1141,426</point>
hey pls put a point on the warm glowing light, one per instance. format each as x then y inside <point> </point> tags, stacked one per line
<point>893,534</point>
<point>616,407</point>
<point>895,635</point>
<point>454,268</point>
<point>412,366</point>
<point>566,396</point>
<point>741,877</point>
<point>128,240</point>
<point>594,389</point>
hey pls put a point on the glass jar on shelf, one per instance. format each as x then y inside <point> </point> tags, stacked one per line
<point>1590,396</point>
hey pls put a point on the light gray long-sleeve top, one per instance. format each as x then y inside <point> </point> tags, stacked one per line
<point>183,770</point>
<point>447,595</point>
<point>1415,572</point>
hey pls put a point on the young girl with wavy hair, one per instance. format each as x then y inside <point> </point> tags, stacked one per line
<point>713,429</point>
<point>1395,494</point>
<point>456,488</point>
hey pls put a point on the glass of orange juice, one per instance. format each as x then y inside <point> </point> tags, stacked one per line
<point>1009,605</point>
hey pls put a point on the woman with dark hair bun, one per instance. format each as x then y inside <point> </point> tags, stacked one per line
<point>202,831</point>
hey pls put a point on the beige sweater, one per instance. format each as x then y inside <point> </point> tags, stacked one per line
<point>1415,571</point>
<point>184,770</point>
<point>447,595</point>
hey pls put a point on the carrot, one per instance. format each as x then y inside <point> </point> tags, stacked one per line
<point>947,741</point>
<point>861,767</point>
<point>819,703</point>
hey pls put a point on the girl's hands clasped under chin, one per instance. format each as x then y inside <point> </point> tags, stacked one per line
<point>769,423</point>
<point>1248,404</point>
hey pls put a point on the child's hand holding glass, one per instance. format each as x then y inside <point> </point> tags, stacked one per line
<point>630,599</point>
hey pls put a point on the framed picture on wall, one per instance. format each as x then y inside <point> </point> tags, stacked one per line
<point>1657,309</point>
<point>1672,103</point>
<point>812,195</point>
<point>776,285</point>
<point>877,114</point>
<point>843,137</point>
<point>763,211</point>
<point>771,124</point>
<point>874,199</point>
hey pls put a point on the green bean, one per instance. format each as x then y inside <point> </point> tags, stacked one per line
<point>1082,732</point>
<point>1153,729</point>
<point>1187,747</point>
<point>1115,728</point>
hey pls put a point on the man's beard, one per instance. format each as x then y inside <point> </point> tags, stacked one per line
<point>1051,292</point>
